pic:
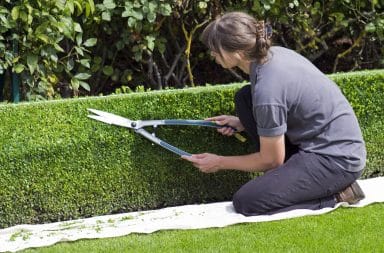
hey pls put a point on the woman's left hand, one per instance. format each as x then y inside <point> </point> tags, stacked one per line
<point>207,163</point>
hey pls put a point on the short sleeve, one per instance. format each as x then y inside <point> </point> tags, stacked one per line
<point>271,119</point>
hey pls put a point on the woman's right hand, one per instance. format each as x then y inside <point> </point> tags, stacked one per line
<point>232,121</point>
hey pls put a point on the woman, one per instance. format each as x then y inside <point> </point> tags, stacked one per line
<point>309,142</point>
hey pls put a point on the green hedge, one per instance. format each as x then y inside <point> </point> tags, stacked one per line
<point>56,164</point>
<point>364,91</point>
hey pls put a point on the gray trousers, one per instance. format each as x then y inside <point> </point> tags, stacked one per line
<point>305,180</point>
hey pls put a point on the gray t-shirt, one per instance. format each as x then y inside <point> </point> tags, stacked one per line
<point>291,96</point>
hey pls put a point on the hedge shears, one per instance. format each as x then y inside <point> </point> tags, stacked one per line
<point>138,127</point>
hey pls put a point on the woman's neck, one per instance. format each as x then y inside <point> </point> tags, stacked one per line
<point>245,66</point>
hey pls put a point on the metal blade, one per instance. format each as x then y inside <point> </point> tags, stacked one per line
<point>99,118</point>
<point>110,118</point>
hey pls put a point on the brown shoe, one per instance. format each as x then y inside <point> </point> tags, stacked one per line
<point>352,194</point>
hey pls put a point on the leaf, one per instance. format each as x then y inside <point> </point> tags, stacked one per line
<point>16,59</point>
<point>109,4</point>
<point>85,63</point>
<point>30,19</point>
<point>91,6</point>
<point>70,64</point>
<point>18,68</point>
<point>97,60</point>
<point>77,27</point>
<point>53,79</point>
<point>32,60</point>
<point>43,38</point>
<point>82,76</point>
<point>70,6</point>
<point>165,9</point>
<point>85,85</point>
<point>79,8</point>
<point>79,39</point>
<point>79,50</point>
<point>152,6</point>
<point>87,10</point>
<point>75,83</point>
<point>58,48</point>
<point>160,45</point>
<point>60,4</point>
<point>53,57</point>
<point>15,12</point>
<point>151,17</point>
<point>108,70</point>
<point>23,16</point>
<point>131,22</point>
<point>137,15</point>
<point>63,27</point>
<point>90,42</point>
<point>202,5</point>
<point>106,16</point>
<point>370,27</point>
<point>150,42</point>
<point>128,12</point>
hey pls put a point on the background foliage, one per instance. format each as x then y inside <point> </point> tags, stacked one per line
<point>72,48</point>
<point>56,164</point>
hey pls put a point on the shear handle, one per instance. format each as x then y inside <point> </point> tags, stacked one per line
<point>161,143</point>
<point>179,122</point>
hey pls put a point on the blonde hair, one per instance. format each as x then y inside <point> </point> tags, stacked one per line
<point>238,31</point>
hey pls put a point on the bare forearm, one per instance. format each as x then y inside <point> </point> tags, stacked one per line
<point>251,163</point>
<point>271,155</point>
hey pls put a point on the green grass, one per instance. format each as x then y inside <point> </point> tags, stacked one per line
<point>343,230</point>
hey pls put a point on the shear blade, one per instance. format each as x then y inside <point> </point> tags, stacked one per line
<point>99,118</point>
<point>110,118</point>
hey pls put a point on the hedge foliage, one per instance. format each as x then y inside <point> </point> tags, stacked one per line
<point>87,47</point>
<point>57,164</point>
<point>364,91</point>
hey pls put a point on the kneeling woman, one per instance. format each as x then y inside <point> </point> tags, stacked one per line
<point>309,141</point>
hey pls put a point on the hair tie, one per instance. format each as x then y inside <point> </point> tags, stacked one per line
<point>260,30</point>
<point>268,31</point>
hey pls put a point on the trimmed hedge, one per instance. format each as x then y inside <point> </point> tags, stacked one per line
<point>56,164</point>
<point>364,90</point>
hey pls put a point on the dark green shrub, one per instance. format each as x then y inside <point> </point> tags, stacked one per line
<point>87,47</point>
<point>56,164</point>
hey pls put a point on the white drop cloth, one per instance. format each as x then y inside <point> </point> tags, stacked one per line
<point>219,214</point>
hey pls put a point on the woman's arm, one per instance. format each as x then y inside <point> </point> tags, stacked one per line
<point>271,155</point>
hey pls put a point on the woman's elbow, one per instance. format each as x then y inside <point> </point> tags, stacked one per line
<point>272,162</point>
<point>276,163</point>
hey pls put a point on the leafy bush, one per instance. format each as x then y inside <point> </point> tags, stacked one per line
<point>52,46</point>
<point>72,48</point>
<point>56,164</point>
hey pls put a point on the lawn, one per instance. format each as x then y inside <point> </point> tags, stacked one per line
<point>343,230</point>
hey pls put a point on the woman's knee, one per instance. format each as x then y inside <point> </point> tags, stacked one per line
<point>238,202</point>
<point>246,204</point>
